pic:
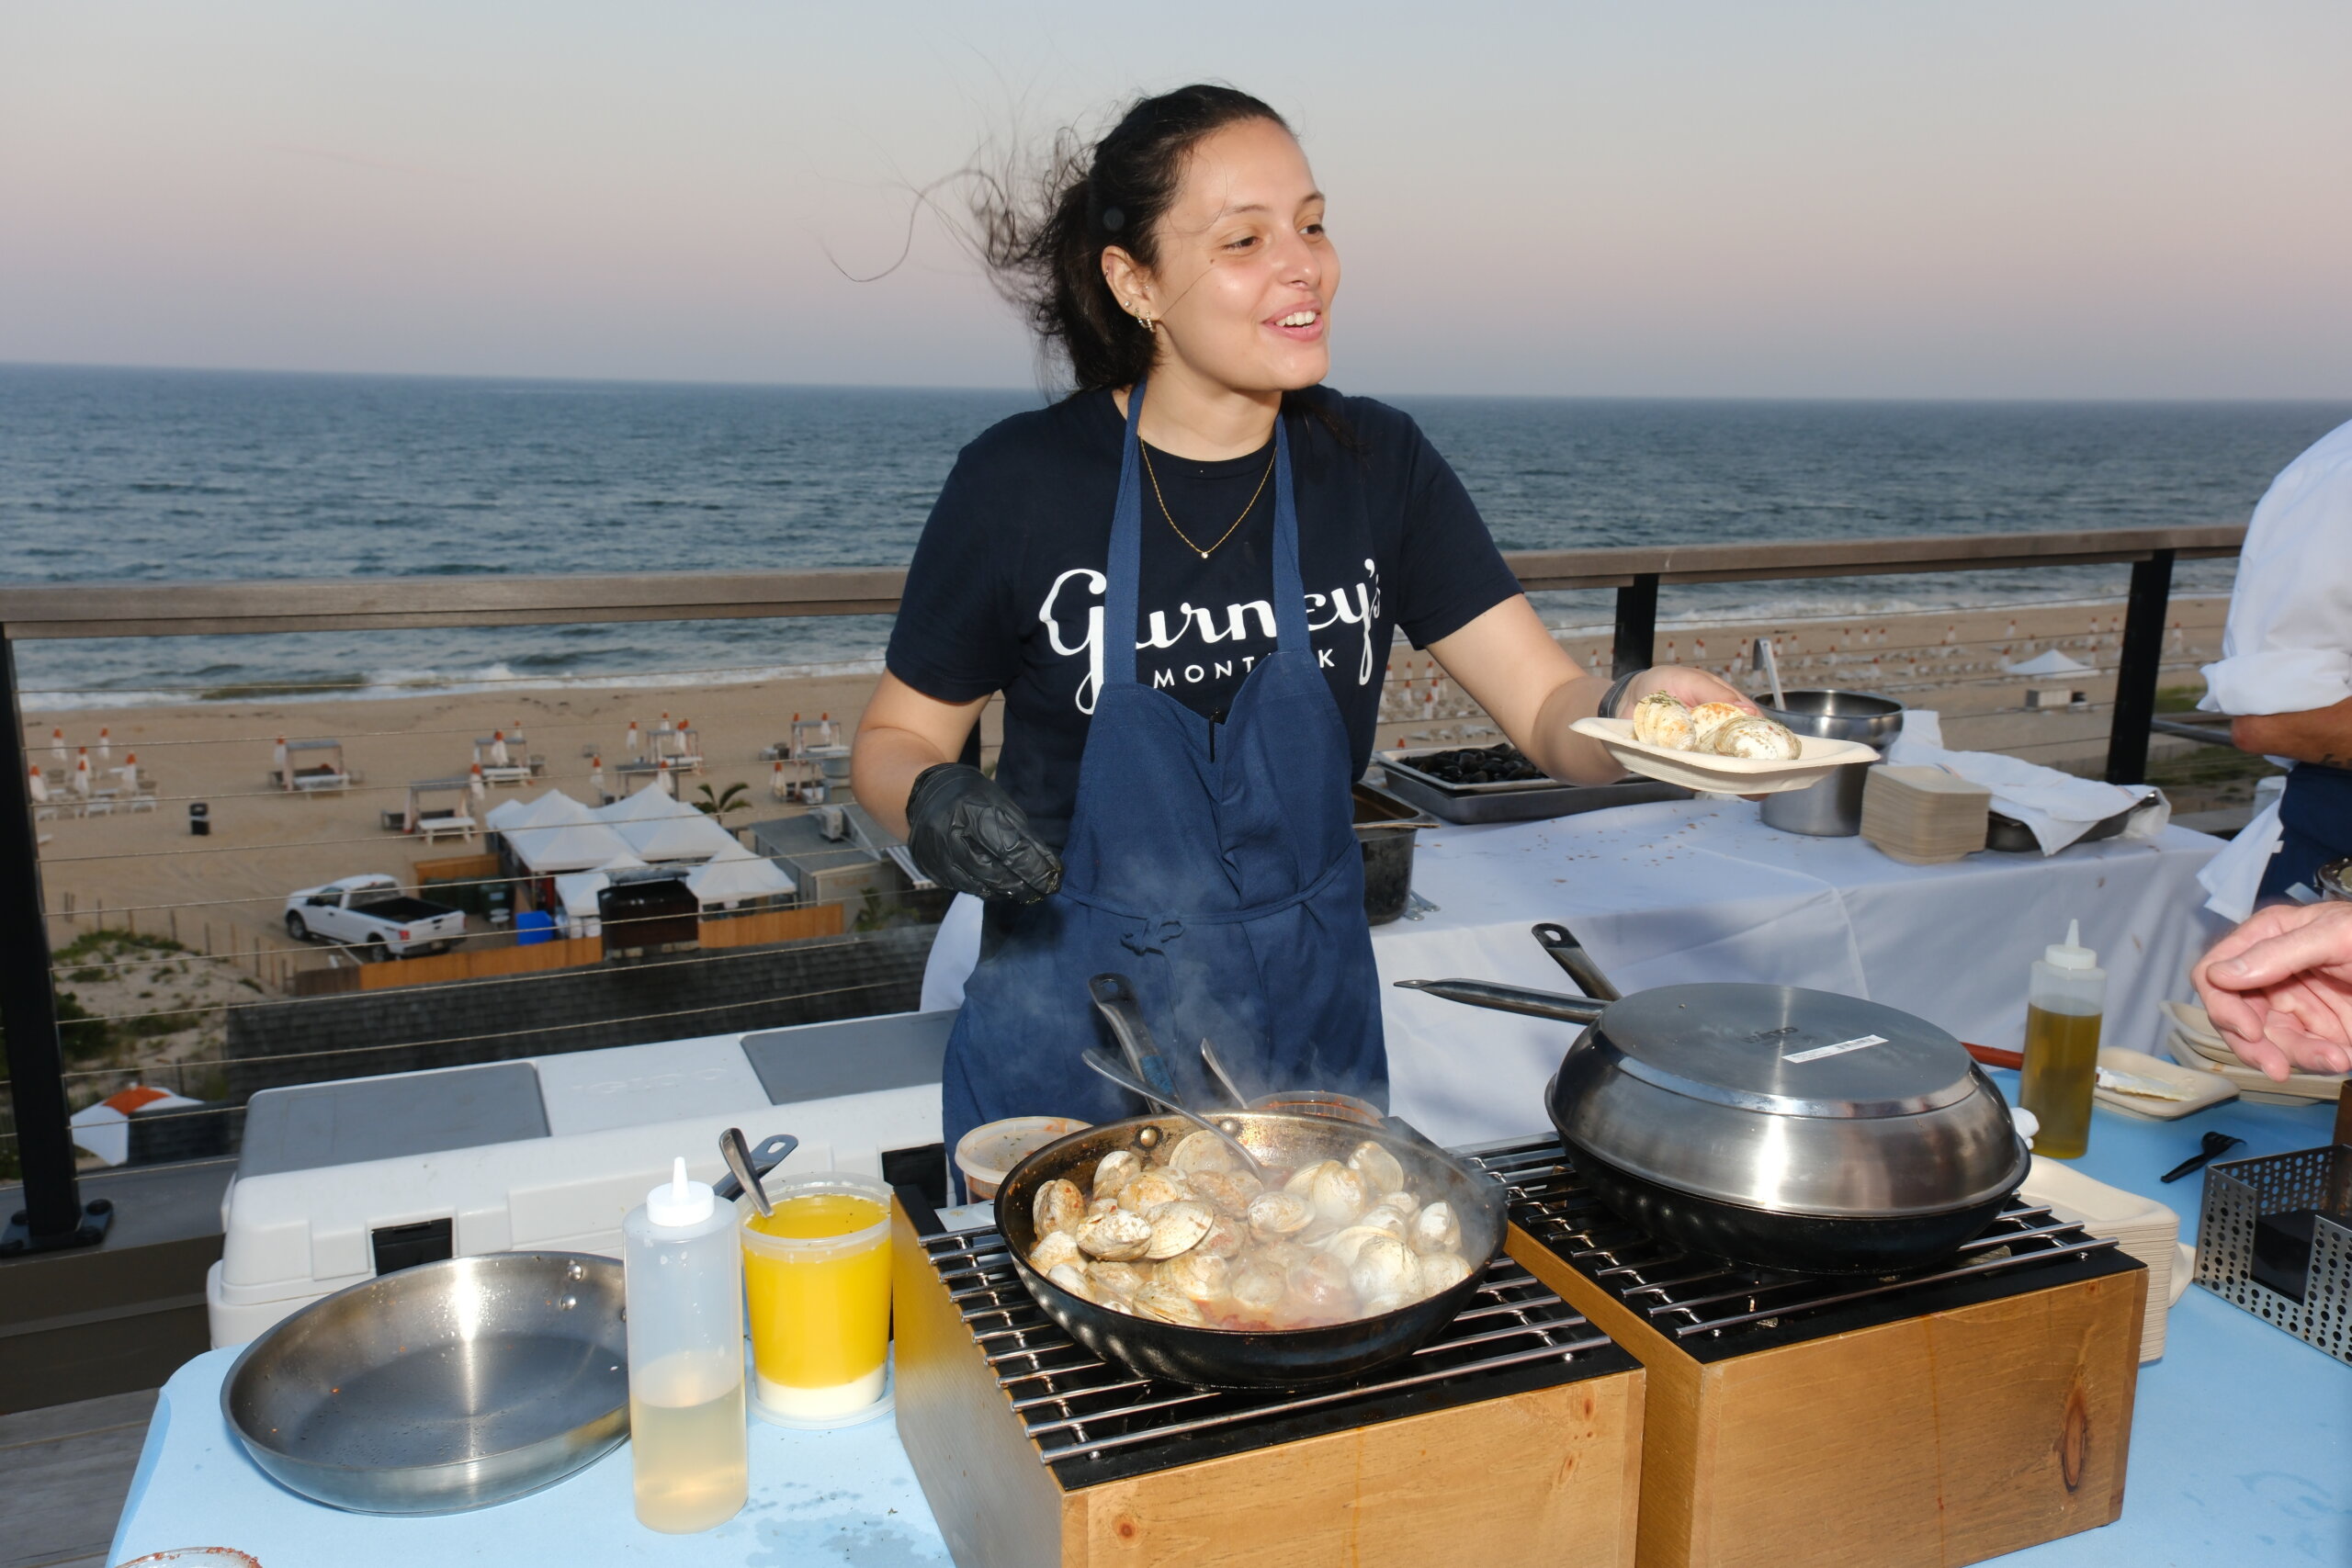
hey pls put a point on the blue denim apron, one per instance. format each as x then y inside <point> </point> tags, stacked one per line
<point>1213,864</point>
<point>2315,827</point>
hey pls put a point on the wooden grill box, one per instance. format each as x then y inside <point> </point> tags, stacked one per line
<point>1960,1430</point>
<point>1545,1476</point>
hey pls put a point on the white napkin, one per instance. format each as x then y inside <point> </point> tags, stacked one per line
<point>2058,807</point>
<point>2234,875</point>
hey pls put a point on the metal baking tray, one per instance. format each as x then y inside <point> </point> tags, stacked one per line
<point>1523,800</point>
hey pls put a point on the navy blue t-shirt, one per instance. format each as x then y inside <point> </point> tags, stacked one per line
<point>1006,591</point>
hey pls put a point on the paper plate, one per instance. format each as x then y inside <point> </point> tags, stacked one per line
<point>2204,1089</point>
<point>1816,761</point>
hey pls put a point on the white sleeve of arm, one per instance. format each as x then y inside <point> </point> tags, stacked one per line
<point>2287,648</point>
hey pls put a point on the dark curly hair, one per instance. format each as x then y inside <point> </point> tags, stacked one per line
<point>1044,245</point>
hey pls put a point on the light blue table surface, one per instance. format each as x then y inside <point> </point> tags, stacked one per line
<point>2241,1451</point>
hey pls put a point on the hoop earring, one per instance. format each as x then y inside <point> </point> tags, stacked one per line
<point>1145,323</point>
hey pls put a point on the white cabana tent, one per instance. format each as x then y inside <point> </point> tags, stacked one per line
<point>692,837</point>
<point>2050,662</point>
<point>565,846</point>
<point>735,875</point>
<point>576,893</point>
<point>650,804</point>
<point>550,810</point>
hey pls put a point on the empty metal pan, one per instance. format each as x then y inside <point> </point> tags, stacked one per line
<point>448,1386</point>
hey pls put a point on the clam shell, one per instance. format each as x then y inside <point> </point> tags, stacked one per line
<point>1381,1217</point>
<point>1436,1230</point>
<point>1339,1194</point>
<point>1176,1228</point>
<point>1259,1287</point>
<point>1319,1288</point>
<point>1201,1278</point>
<point>1385,1266</point>
<point>1374,1306</point>
<point>1378,1168</point>
<point>1071,1278</point>
<point>1102,1206</point>
<point>1118,1280</point>
<point>1757,738</point>
<point>1152,1188</point>
<point>1406,1204</point>
<point>1114,1170</point>
<point>1226,1191</point>
<point>1228,1235</point>
<point>1059,1206</point>
<point>1346,1244</point>
<point>1167,1304</point>
<point>1303,1178</point>
<point>1117,1235</point>
<point>1708,718</point>
<point>1273,1215</point>
<point>1660,719</point>
<point>1201,1150</point>
<point>1443,1271</point>
<point>1052,1249</point>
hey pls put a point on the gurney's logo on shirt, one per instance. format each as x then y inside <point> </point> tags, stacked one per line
<point>1198,642</point>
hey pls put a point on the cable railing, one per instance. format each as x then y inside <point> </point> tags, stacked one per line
<point>2130,649</point>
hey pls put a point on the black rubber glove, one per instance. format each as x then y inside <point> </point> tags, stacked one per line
<point>967,833</point>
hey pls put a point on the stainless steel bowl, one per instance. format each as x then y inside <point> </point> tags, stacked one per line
<point>1841,715</point>
<point>444,1387</point>
<point>1832,808</point>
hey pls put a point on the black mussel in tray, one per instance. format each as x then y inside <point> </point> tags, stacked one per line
<point>1477,764</point>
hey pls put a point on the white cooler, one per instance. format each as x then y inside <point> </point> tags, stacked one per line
<point>339,1182</point>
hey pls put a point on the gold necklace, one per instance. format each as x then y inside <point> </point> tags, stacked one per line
<point>1221,539</point>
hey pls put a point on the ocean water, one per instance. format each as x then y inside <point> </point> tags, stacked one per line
<point>154,476</point>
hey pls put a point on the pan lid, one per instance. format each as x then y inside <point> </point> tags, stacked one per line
<point>1786,1052</point>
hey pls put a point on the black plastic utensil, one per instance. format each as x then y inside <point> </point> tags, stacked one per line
<point>2214,1143</point>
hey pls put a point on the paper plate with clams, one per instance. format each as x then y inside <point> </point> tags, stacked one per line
<point>1718,748</point>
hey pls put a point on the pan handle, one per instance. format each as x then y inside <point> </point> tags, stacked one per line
<point>1570,954</point>
<point>1512,999</point>
<point>1115,999</point>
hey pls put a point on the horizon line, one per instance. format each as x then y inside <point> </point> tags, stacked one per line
<point>492,377</point>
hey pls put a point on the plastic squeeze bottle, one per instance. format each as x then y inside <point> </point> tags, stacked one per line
<point>2067,998</point>
<point>687,1435</point>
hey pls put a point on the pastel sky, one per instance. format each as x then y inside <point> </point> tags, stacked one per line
<point>1998,199</point>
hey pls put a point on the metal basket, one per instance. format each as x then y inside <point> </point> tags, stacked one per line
<point>2238,1194</point>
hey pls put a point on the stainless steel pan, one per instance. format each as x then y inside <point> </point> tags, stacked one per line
<point>1223,1357</point>
<point>1773,1125</point>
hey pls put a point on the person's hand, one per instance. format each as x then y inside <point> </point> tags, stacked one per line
<point>967,833</point>
<point>1692,686</point>
<point>2279,988</point>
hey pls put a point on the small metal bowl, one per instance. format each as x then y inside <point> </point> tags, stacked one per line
<point>448,1386</point>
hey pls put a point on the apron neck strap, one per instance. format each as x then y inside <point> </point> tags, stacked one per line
<point>1123,595</point>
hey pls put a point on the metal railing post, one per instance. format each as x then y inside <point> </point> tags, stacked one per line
<point>2137,667</point>
<point>1636,625</point>
<point>53,1215</point>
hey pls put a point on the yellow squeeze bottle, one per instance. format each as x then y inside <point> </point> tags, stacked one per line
<point>2064,1006</point>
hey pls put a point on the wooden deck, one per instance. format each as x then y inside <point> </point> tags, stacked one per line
<point>64,1471</point>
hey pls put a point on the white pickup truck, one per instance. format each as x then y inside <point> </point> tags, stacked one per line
<point>373,916</point>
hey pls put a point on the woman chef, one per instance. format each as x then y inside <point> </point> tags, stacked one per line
<point>1182,578</point>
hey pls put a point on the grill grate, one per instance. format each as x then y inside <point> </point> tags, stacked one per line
<point>1706,1301</point>
<point>1093,1420</point>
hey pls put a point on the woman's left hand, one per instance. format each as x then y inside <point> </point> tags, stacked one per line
<point>1692,686</point>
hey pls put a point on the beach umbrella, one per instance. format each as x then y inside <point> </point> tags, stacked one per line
<point>498,749</point>
<point>665,725</point>
<point>130,770</point>
<point>81,772</point>
<point>515,729</point>
<point>474,783</point>
<point>596,776</point>
<point>38,785</point>
<point>661,777</point>
<point>57,746</point>
<point>106,744</point>
<point>278,756</point>
<point>636,742</point>
<point>775,779</point>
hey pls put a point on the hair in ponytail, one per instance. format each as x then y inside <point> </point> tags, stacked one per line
<point>1044,245</point>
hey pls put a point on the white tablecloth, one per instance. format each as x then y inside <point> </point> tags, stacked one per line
<point>1703,890</point>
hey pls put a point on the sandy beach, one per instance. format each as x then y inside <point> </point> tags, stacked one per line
<point>223,894</point>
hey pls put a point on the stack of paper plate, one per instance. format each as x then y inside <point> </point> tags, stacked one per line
<point>1923,816</point>
<point>2194,1043</point>
<point>2154,1090</point>
<point>2141,1226</point>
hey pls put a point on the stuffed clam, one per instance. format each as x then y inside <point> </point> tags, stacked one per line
<point>1725,729</point>
<point>1192,1242</point>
